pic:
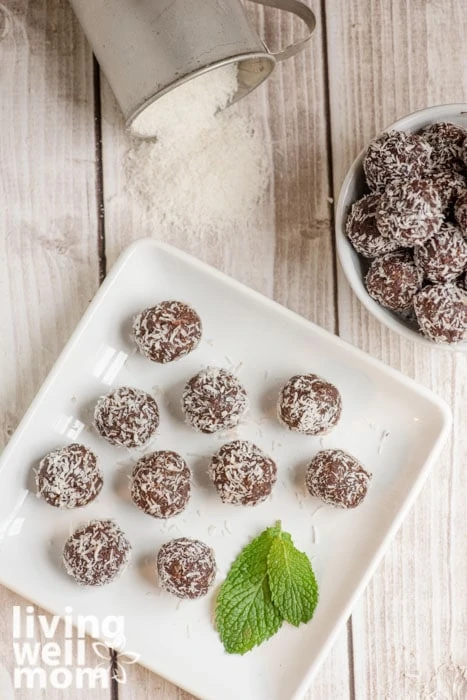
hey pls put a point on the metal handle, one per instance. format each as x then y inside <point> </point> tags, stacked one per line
<point>302,11</point>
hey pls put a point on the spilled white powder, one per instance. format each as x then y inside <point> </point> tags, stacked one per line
<point>207,169</point>
<point>187,109</point>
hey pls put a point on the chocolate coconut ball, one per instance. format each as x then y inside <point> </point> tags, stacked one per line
<point>161,484</point>
<point>69,477</point>
<point>186,568</point>
<point>394,156</point>
<point>242,473</point>
<point>409,212</point>
<point>362,231</point>
<point>309,404</point>
<point>96,553</point>
<point>168,331</point>
<point>446,140</point>
<point>393,280</point>
<point>449,185</point>
<point>441,311</point>
<point>460,212</point>
<point>337,478</point>
<point>127,417</point>
<point>464,154</point>
<point>443,257</point>
<point>214,400</point>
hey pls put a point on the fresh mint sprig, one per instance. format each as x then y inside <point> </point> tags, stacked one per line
<point>294,590</point>
<point>269,582</point>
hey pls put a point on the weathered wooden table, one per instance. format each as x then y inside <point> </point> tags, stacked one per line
<point>65,217</point>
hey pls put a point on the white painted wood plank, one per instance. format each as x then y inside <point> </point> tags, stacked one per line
<point>387,59</point>
<point>48,246</point>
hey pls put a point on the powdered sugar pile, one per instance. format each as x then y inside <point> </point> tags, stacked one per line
<point>207,169</point>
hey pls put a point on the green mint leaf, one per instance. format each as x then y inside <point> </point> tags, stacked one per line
<point>292,583</point>
<point>245,614</point>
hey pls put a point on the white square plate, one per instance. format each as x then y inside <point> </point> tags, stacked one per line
<point>395,427</point>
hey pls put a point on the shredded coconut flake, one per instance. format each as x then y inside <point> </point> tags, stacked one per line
<point>383,438</point>
<point>315,512</point>
<point>208,169</point>
<point>187,107</point>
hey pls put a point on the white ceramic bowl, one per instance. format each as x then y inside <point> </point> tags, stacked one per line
<point>352,189</point>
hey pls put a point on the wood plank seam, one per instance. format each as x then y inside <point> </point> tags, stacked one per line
<point>99,172</point>
<point>330,168</point>
<point>325,49</point>
<point>102,260</point>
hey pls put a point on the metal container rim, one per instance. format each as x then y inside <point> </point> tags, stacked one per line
<point>254,55</point>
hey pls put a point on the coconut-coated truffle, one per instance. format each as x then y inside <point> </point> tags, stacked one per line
<point>337,478</point>
<point>214,400</point>
<point>168,331</point>
<point>449,184</point>
<point>362,230</point>
<point>441,311</point>
<point>446,140</point>
<point>410,212</point>
<point>161,484</point>
<point>395,155</point>
<point>96,553</point>
<point>127,417</point>
<point>242,473</point>
<point>69,477</point>
<point>186,567</point>
<point>460,212</point>
<point>443,257</point>
<point>393,280</point>
<point>309,404</point>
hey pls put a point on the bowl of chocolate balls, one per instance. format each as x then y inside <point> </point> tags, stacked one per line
<point>401,226</point>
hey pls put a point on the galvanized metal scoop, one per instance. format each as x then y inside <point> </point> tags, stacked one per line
<point>148,47</point>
